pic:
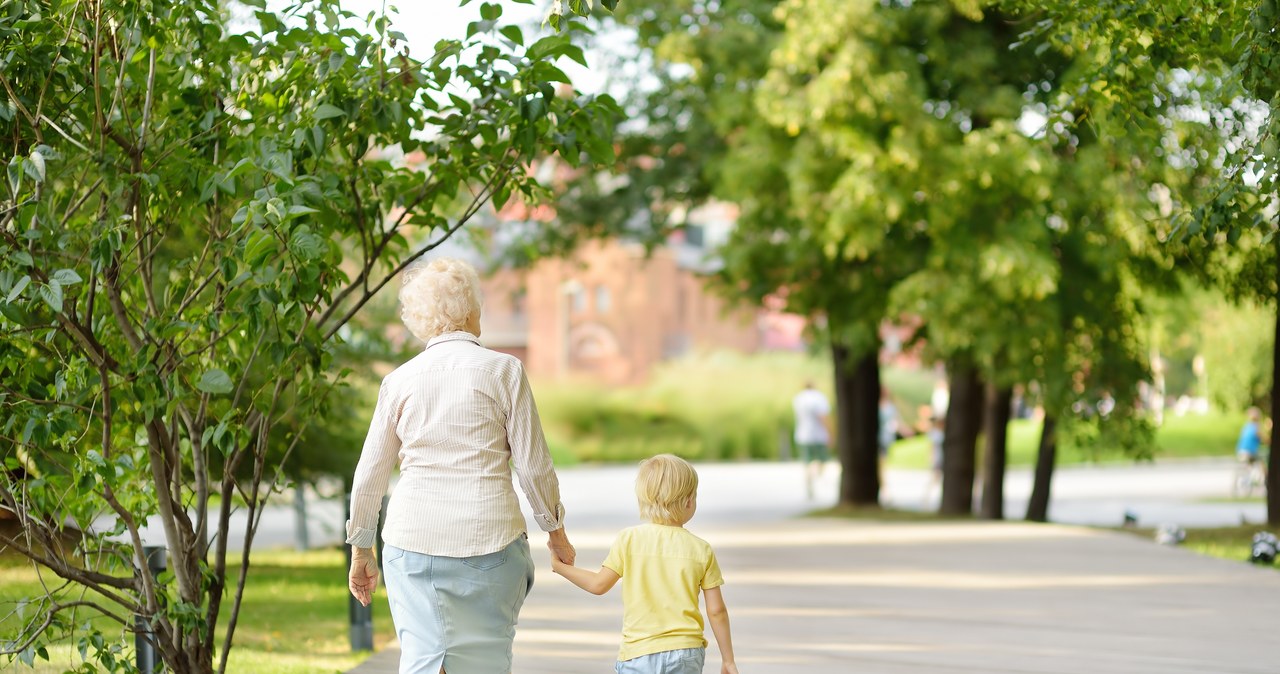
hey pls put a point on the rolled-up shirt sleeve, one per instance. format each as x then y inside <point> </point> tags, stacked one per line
<point>373,472</point>
<point>531,457</point>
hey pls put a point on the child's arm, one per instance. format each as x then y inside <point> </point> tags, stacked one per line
<point>595,582</point>
<point>718,614</point>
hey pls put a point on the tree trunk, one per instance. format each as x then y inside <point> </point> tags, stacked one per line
<point>998,409</point>
<point>1273,480</point>
<point>1038,506</point>
<point>964,422</point>
<point>857,388</point>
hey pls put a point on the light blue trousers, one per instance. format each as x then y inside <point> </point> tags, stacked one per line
<point>458,613</point>
<point>682,661</point>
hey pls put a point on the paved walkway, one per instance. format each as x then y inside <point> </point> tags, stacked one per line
<point>832,596</point>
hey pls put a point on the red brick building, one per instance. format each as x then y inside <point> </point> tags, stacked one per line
<point>612,312</point>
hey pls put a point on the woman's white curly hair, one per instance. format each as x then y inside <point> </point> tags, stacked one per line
<point>438,297</point>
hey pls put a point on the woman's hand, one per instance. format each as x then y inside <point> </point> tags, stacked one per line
<point>560,547</point>
<point>363,579</point>
<point>729,668</point>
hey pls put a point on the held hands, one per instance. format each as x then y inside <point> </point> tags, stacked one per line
<point>561,548</point>
<point>363,579</point>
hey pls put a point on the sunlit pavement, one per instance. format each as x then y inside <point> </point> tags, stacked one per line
<point>819,595</point>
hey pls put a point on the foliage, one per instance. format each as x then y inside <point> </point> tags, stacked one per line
<point>195,211</point>
<point>1238,344</point>
<point>295,615</point>
<point>1144,56</point>
<point>1179,437</point>
<point>1153,63</point>
<point>714,406</point>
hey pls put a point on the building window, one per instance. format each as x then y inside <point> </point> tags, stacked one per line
<point>578,299</point>
<point>602,300</point>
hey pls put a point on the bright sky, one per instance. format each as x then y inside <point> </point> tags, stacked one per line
<point>425,22</point>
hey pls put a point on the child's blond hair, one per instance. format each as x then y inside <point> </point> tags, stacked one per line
<point>664,487</point>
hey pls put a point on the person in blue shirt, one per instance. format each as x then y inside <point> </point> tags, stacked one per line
<point>1250,441</point>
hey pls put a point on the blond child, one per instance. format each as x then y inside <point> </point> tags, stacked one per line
<point>662,567</point>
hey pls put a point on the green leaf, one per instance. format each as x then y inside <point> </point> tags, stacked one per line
<point>327,111</point>
<point>23,258</point>
<point>463,106</point>
<point>554,20</point>
<point>258,248</point>
<point>67,277</point>
<point>574,52</point>
<point>306,244</point>
<point>580,7</point>
<point>216,382</point>
<point>35,166</point>
<point>609,4</point>
<point>15,174</point>
<point>490,11</point>
<point>270,22</point>
<point>51,293</point>
<point>18,287</point>
<point>513,33</point>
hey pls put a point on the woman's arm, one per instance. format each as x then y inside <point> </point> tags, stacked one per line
<point>595,582</point>
<point>532,462</point>
<point>369,485</point>
<point>718,616</point>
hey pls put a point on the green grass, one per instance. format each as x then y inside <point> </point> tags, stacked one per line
<point>713,406</point>
<point>293,621</point>
<point>1233,543</point>
<point>1192,436</point>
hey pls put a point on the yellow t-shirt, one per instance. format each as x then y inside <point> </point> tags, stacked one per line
<point>662,569</point>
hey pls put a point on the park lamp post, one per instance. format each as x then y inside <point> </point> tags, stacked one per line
<point>153,557</point>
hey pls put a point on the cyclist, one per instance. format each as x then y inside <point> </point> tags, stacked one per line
<point>1250,469</point>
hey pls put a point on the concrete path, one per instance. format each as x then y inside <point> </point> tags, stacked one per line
<point>1187,493</point>
<point>830,597</point>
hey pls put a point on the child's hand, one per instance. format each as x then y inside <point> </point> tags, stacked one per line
<point>729,668</point>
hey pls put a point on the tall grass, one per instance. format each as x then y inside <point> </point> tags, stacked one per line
<point>713,406</point>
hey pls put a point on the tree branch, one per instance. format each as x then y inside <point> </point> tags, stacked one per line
<point>52,613</point>
<point>495,181</point>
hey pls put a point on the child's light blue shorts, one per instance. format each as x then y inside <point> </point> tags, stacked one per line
<point>683,661</point>
<point>457,612</point>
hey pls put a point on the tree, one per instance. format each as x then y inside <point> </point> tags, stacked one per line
<point>1145,55</point>
<point>194,213</point>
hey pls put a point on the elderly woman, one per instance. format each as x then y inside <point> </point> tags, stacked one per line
<point>458,417</point>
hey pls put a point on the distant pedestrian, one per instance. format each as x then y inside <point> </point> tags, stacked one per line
<point>940,398</point>
<point>888,419</point>
<point>813,433</point>
<point>662,567</point>
<point>936,435</point>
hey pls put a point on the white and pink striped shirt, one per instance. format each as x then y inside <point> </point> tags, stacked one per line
<point>458,417</point>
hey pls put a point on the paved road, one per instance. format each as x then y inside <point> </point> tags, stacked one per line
<point>835,596</point>
<point>831,597</point>
<point>1186,493</point>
